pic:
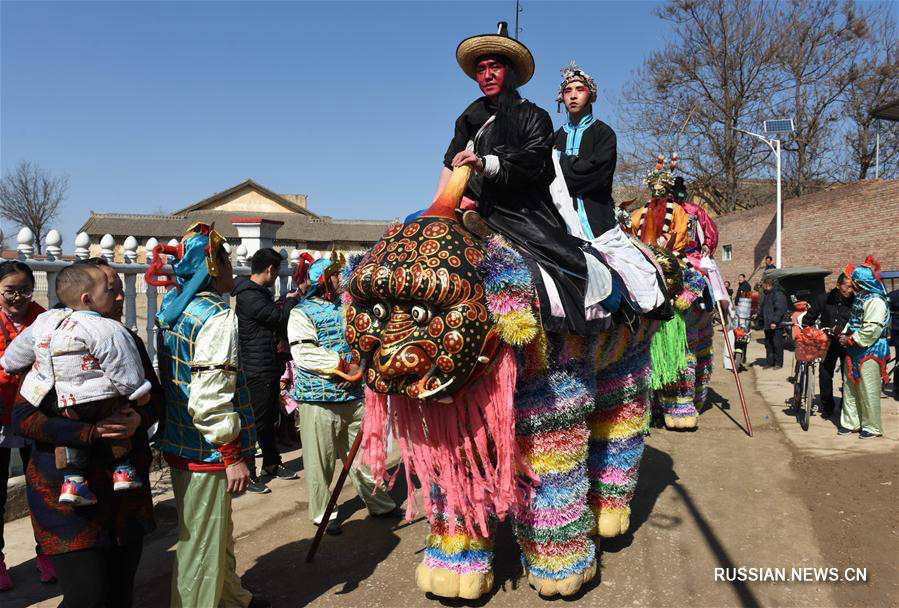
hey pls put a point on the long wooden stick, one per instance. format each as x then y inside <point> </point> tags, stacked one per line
<point>333,502</point>
<point>733,365</point>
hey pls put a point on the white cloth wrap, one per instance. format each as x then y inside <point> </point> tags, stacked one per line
<point>615,249</point>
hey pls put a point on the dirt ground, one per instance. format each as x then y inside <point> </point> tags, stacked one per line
<point>710,499</point>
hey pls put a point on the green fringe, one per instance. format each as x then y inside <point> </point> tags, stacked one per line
<point>669,351</point>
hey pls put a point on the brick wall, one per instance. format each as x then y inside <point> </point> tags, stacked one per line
<point>826,229</point>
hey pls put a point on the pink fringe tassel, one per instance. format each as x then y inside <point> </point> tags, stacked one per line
<point>466,447</point>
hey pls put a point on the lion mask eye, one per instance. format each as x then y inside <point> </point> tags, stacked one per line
<point>421,314</point>
<point>380,311</point>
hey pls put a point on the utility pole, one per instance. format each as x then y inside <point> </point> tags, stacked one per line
<point>517,11</point>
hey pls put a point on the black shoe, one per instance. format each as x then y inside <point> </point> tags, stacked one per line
<point>279,471</point>
<point>333,528</point>
<point>394,513</point>
<point>842,430</point>
<point>867,435</point>
<point>259,602</point>
<point>257,487</point>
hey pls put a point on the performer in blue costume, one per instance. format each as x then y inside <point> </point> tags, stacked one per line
<point>867,351</point>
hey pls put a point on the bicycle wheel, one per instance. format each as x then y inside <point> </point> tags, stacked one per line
<point>738,360</point>
<point>803,405</point>
<point>797,384</point>
<point>809,397</point>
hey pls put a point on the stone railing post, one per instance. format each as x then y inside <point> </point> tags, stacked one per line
<point>107,247</point>
<point>130,281</point>
<point>82,246</point>
<point>25,240</point>
<point>53,240</point>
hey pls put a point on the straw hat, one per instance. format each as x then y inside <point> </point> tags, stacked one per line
<point>470,49</point>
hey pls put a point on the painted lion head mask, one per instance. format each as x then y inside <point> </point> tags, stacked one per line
<point>418,314</point>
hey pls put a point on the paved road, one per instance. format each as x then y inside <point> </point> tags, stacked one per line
<point>711,499</point>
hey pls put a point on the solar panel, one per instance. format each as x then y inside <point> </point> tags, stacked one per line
<point>783,125</point>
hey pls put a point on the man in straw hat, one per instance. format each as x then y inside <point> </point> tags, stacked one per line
<point>507,141</point>
<point>330,406</point>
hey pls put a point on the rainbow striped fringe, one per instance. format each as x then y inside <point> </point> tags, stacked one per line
<point>699,340</point>
<point>553,530</point>
<point>616,431</point>
<point>460,552</point>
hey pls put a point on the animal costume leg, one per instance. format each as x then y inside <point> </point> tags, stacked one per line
<point>699,338</point>
<point>551,430</point>
<point>455,565</point>
<point>616,437</point>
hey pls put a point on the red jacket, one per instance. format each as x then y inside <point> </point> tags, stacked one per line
<point>9,383</point>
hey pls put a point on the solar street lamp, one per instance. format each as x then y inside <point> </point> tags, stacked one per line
<point>783,126</point>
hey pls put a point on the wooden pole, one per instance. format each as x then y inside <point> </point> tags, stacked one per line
<point>733,365</point>
<point>333,502</point>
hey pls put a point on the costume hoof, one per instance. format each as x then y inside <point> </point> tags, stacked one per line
<point>613,523</point>
<point>548,587</point>
<point>681,422</point>
<point>447,583</point>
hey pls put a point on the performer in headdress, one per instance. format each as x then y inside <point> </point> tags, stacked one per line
<point>209,434</point>
<point>867,350</point>
<point>661,221</point>
<point>589,153</point>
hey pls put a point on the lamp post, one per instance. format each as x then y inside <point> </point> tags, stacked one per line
<point>776,127</point>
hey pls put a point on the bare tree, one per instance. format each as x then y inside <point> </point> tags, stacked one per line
<point>717,69</point>
<point>876,85</point>
<point>31,197</point>
<point>819,44</point>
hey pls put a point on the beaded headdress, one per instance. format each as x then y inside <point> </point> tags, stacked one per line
<point>572,73</point>
<point>659,178</point>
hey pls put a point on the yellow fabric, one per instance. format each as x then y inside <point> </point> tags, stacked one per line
<point>678,230</point>
<point>210,403</point>
<point>205,570</point>
<point>874,316</point>
<point>308,356</point>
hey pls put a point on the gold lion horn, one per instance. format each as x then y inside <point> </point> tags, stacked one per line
<point>449,200</point>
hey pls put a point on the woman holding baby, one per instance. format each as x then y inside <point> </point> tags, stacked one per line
<point>96,548</point>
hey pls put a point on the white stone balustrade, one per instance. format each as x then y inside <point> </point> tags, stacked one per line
<point>131,271</point>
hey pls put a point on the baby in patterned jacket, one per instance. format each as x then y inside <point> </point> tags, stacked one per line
<point>94,366</point>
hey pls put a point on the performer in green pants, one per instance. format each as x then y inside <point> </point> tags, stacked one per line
<point>867,351</point>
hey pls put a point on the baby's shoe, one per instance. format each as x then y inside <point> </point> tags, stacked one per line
<point>5,578</point>
<point>48,572</point>
<point>76,492</point>
<point>125,478</point>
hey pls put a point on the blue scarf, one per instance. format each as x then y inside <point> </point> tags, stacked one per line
<point>572,147</point>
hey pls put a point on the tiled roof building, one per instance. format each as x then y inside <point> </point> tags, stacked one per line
<point>301,229</point>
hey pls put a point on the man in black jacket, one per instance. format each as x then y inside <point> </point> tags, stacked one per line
<point>260,322</point>
<point>774,311</point>
<point>832,309</point>
<point>744,289</point>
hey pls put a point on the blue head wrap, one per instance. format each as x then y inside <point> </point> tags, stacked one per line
<point>195,267</point>
<point>317,275</point>
<point>867,282</point>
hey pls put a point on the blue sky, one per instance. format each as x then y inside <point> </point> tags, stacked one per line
<point>156,105</point>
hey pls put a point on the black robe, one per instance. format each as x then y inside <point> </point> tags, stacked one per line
<point>589,173</point>
<point>516,202</point>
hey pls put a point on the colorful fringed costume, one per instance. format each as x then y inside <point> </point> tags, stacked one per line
<point>495,417</point>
